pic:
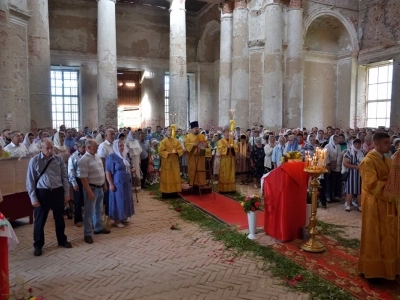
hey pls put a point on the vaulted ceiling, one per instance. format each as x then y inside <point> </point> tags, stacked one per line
<point>192,6</point>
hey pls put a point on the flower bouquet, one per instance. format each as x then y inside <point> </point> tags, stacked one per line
<point>251,203</point>
<point>291,156</point>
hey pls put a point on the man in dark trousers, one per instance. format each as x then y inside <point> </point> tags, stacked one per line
<point>144,157</point>
<point>48,187</point>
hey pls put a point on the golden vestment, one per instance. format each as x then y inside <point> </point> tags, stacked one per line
<point>196,158</point>
<point>227,166</point>
<point>379,255</point>
<point>170,180</point>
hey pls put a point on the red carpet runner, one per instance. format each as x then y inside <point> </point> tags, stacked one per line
<point>338,265</point>
<point>223,208</point>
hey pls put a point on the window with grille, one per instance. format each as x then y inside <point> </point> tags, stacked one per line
<point>65,97</point>
<point>166,99</point>
<point>379,94</point>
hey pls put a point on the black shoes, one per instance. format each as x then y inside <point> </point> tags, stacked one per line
<point>104,231</point>
<point>66,244</point>
<point>37,252</point>
<point>88,239</point>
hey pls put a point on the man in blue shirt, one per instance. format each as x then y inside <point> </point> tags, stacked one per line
<point>70,141</point>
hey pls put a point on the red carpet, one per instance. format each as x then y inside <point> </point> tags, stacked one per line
<point>224,208</point>
<point>338,265</point>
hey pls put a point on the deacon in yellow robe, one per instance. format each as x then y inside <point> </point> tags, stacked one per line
<point>195,144</point>
<point>379,252</point>
<point>170,181</point>
<point>227,166</point>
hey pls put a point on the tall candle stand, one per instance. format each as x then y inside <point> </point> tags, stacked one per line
<point>315,166</point>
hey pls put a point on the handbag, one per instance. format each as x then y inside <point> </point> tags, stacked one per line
<point>344,176</point>
<point>106,221</point>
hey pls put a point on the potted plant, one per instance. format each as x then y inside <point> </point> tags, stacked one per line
<point>250,205</point>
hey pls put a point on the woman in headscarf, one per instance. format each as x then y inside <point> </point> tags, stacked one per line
<point>268,148</point>
<point>134,154</point>
<point>59,146</point>
<point>333,177</point>
<point>119,177</point>
<point>351,161</point>
<point>368,143</point>
<point>242,158</point>
<point>28,142</point>
<point>257,162</point>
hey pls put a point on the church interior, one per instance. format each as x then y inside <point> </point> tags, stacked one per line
<point>146,63</point>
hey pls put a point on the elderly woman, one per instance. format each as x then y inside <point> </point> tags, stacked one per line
<point>242,158</point>
<point>268,148</point>
<point>60,148</point>
<point>351,161</point>
<point>119,177</point>
<point>257,162</point>
<point>368,144</point>
<point>134,154</point>
<point>28,142</point>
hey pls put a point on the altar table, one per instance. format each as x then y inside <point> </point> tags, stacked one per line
<point>285,196</point>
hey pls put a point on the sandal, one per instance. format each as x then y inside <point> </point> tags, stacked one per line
<point>241,183</point>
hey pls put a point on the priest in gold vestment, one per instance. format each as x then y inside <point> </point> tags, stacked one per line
<point>195,144</point>
<point>379,250</point>
<point>227,166</point>
<point>170,181</point>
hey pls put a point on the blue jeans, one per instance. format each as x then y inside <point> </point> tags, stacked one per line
<point>93,211</point>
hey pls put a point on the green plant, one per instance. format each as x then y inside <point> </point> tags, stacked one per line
<point>291,155</point>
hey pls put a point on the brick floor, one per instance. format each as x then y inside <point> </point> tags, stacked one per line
<point>145,260</point>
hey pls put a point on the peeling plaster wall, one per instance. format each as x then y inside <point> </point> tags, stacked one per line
<point>379,25</point>
<point>344,82</point>
<point>14,81</point>
<point>319,94</point>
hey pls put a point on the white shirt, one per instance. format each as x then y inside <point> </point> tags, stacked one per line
<point>17,151</point>
<point>105,149</point>
<point>2,142</point>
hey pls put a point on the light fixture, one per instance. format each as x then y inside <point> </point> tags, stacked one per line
<point>120,84</point>
<point>130,84</point>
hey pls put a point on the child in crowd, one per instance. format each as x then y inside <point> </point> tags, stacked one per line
<point>154,163</point>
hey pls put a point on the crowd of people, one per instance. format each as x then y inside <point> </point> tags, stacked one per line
<point>100,169</point>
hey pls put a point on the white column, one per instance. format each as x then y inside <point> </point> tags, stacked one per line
<point>293,102</point>
<point>225,63</point>
<point>178,84</point>
<point>39,64</point>
<point>240,64</point>
<point>107,89</point>
<point>272,77</point>
<point>395,103</point>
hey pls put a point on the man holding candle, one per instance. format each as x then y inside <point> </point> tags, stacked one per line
<point>170,181</point>
<point>227,149</point>
<point>195,145</point>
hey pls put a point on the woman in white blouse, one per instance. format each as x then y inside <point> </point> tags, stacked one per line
<point>268,148</point>
<point>134,152</point>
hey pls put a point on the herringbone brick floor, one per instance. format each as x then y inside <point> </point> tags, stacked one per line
<point>144,260</point>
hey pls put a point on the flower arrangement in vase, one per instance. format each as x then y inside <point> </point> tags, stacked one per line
<point>291,156</point>
<point>251,203</point>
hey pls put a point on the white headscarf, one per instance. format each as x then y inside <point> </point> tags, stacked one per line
<point>57,142</point>
<point>360,153</point>
<point>133,144</point>
<point>122,155</point>
<point>26,141</point>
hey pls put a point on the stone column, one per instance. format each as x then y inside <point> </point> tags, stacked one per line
<point>240,64</point>
<point>225,63</point>
<point>178,84</point>
<point>293,102</point>
<point>107,89</point>
<point>272,77</point>
<point>39,64</point>
<point>395,103</point>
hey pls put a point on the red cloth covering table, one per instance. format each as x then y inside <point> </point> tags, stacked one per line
<point>8,241</point>
<point>285,196</point>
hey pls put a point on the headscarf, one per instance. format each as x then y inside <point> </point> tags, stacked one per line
<point>133,144</point>
<point>122,155</point>
<point>292,147</point>
<point>395,140</point>
<point>57,141</point>
<point>28,144</point>
<point>360,153</point>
